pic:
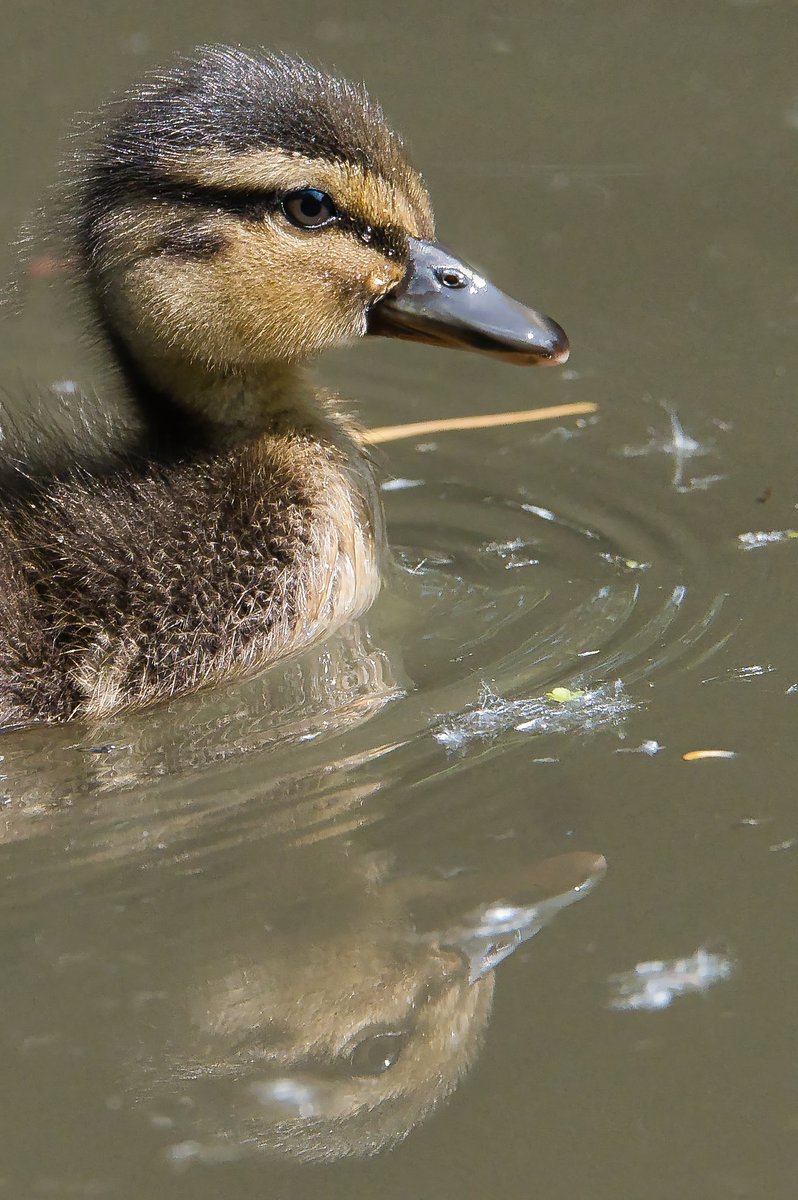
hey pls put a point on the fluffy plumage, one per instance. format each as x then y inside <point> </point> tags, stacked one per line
<point>147,583</point>
<point>253,525</point>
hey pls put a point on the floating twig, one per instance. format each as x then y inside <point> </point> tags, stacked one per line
<point>392,433</point>
<point>697,755</point>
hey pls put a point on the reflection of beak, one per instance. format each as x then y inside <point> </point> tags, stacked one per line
<point>443,302</point>
<point>490,933</point>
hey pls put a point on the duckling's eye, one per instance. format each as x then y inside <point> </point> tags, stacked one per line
<point>376,1054</point>
<point>309,209</point>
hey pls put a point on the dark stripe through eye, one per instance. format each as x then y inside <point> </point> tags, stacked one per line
<point>305,207</point>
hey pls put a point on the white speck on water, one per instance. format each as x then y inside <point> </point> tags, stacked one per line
<point>650,748</point>
<point>560,433</point>
<point>627,564</point>
<point>787,844</point>
<point>765,537</point>
<point>701,483</point>
<point>503,548</point>
<point>740,674</point>
<point>400,485</point>
<point>681,447</point>
<point>544,513</point>
<point>65,387</point>
<point>507,552</point>
<point>655,985</point>
<point>587,710</point>
<point>204,1152</point>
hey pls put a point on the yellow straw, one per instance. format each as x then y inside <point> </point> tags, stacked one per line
<point>392,433</point>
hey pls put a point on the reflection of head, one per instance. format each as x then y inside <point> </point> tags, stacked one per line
<point>346,1070</point>
<point>340,1032</point>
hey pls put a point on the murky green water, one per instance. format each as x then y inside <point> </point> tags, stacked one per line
<point>221,920</point>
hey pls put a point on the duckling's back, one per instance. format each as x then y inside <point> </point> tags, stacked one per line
<point>153,581</point>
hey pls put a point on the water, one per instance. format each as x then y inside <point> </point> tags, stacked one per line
<point>237,932</point>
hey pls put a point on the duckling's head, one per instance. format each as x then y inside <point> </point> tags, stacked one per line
<point>238,211</point>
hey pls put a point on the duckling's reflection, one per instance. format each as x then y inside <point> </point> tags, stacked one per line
<point>320,999</point>
<point>330,689</point>
<point>343,1025</point>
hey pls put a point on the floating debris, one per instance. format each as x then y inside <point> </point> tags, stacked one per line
<point>587,709</point>
<point>696,755</point>
<point>545,514</point>
<point>219,1151</point>
<point>392,433</point>
<point>507,552</point>
<point>654,985</point>
<point>650,748</point>
<point>503,549</point>
<point>626,564</point>
<point>765,537</point>
<point>400,485</point>
<point>564,695</point>
<point>681,447</point>
<point>740,674</point>
<point>787,844</point>
<point>700,483</point>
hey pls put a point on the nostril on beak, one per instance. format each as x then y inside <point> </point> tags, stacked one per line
<point>450,277</point>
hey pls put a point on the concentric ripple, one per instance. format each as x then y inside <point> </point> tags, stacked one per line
<point>510,611</point>
<point>522,594</point>
<point>178,881</point>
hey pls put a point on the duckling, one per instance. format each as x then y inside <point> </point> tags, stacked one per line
<point>235,215</point>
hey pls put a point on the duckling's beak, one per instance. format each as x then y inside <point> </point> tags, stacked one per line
<point>533,896</point>
<point>444,302</point>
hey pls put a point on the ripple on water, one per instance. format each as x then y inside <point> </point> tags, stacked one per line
<point>198,868</point>
<point>517,596</point>
<point>498,598</point>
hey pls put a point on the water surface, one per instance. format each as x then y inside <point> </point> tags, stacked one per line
<point>251,932</point>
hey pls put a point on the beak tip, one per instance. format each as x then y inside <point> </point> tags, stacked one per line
<point>559,347</point>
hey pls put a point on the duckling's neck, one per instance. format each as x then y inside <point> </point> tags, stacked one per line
<point>235,407</point>
<point>223,409</point>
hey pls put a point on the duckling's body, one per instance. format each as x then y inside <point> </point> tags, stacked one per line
<point>236,216</point>
<point>160,580</point>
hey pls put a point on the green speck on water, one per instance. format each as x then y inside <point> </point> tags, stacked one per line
<point>564,695</point>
